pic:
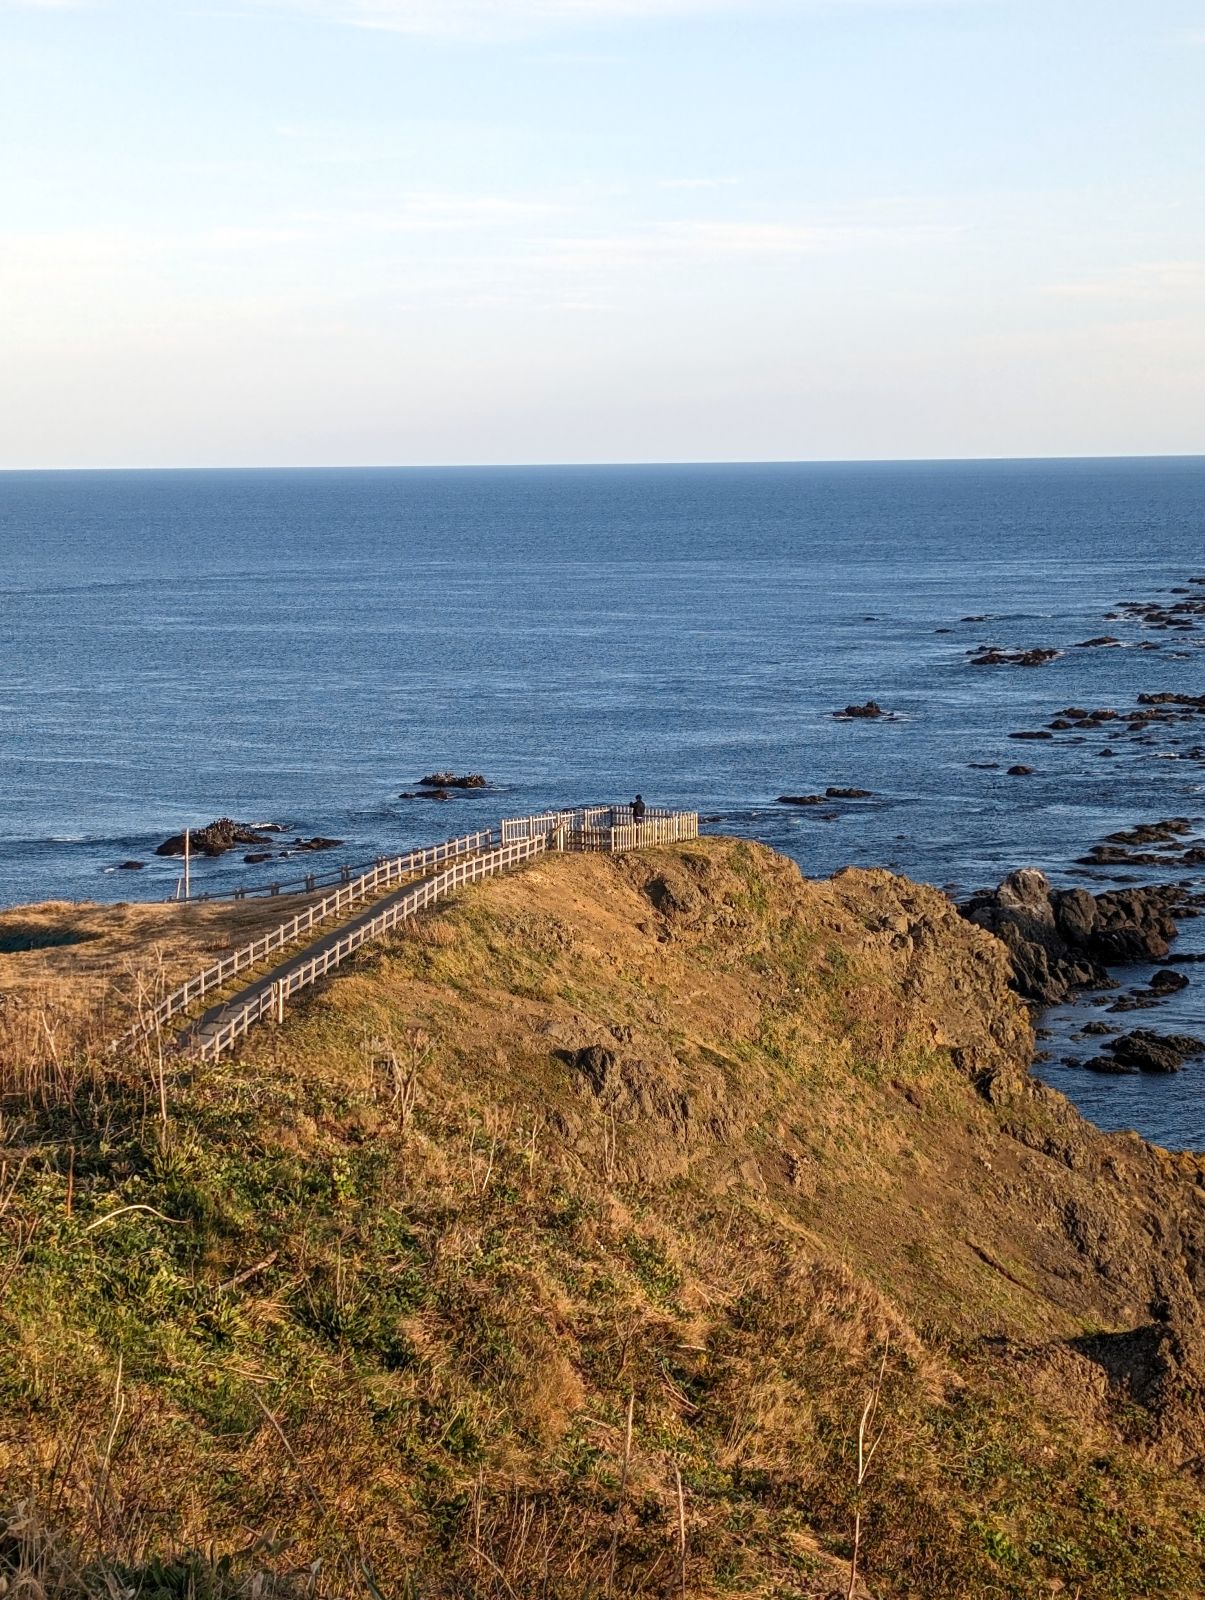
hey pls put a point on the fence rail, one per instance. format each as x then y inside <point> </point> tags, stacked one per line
<point>610,829</point>
<point>271,1001</point>
<point>584,819</point>
<point>382,876</point>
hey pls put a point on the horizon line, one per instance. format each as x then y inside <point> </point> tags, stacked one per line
<point>613,465</point>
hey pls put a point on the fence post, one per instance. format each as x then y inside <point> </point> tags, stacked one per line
<point>519,840</point>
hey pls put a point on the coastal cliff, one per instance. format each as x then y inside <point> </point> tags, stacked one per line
<point>561,1248</point>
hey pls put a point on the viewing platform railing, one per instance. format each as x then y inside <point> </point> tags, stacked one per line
<point>609,829</point>
<point>384,875</point>
<point>271,1001</point>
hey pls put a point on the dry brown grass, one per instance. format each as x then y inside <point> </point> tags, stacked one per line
<point>74,975</point>
<point>405,1291</point>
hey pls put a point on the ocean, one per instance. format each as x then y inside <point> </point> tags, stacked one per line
<point>302,646</point>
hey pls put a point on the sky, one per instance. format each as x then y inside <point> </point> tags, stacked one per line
<point>344,232</point>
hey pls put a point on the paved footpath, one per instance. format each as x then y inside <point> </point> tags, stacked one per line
<point>209,1022</point>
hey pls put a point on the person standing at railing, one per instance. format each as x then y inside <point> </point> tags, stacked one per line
<point>638,810</point>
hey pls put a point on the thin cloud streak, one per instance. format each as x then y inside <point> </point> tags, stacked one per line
<point>1145,280</point>
<point>697,242</point>
<point>697,183</point>
<point>490,20</point>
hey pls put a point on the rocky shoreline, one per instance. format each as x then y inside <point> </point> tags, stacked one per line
<point>1063,943</point>
<point>1066,944</point>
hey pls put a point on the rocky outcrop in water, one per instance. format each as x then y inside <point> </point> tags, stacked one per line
<point>993,657</point>
<point>1061,940</point>
<point>1152,614</point>
<point>869,710</point>
<point>1144,1051</point>
<point>1151,844</point>
<point>831,793</point>
<point>216,838</point>
<point>450,780</point>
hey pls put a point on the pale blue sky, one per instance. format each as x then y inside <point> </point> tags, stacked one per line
<point>405,231</point>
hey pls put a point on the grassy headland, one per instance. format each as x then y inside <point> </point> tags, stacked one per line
<point>562,1245</point>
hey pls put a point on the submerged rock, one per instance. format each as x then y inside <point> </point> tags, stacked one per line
<point>1165,832</point>
<point>831,793</point>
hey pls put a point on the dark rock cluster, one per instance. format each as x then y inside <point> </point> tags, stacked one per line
<point>1154,714</point>
<point>1144,1051</point>
<point>439,785</point>
<point>1153,614</point>
<point>1061,940</point>
<point>831,793</point>
<point>869,709</point>
<point>1172,842</point>
<point>991,656</point>
<point>1164,983</point>
<point>216,838</point>
<point>451,780</point>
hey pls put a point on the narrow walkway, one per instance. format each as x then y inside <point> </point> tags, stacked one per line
<point>607,829</point>
<point>211,1021</point>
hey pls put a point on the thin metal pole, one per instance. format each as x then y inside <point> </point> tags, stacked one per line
<point>187,859</point>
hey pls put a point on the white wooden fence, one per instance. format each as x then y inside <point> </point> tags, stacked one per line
<point>585,825</point>
<point>609,829</point>
<point>382,876</point>
<point>271,1001</point>
<point>615,830</point>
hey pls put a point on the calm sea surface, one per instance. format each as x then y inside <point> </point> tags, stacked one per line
<point>301,646</point>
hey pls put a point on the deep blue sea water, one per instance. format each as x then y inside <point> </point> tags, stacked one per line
<point>302,646</point>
